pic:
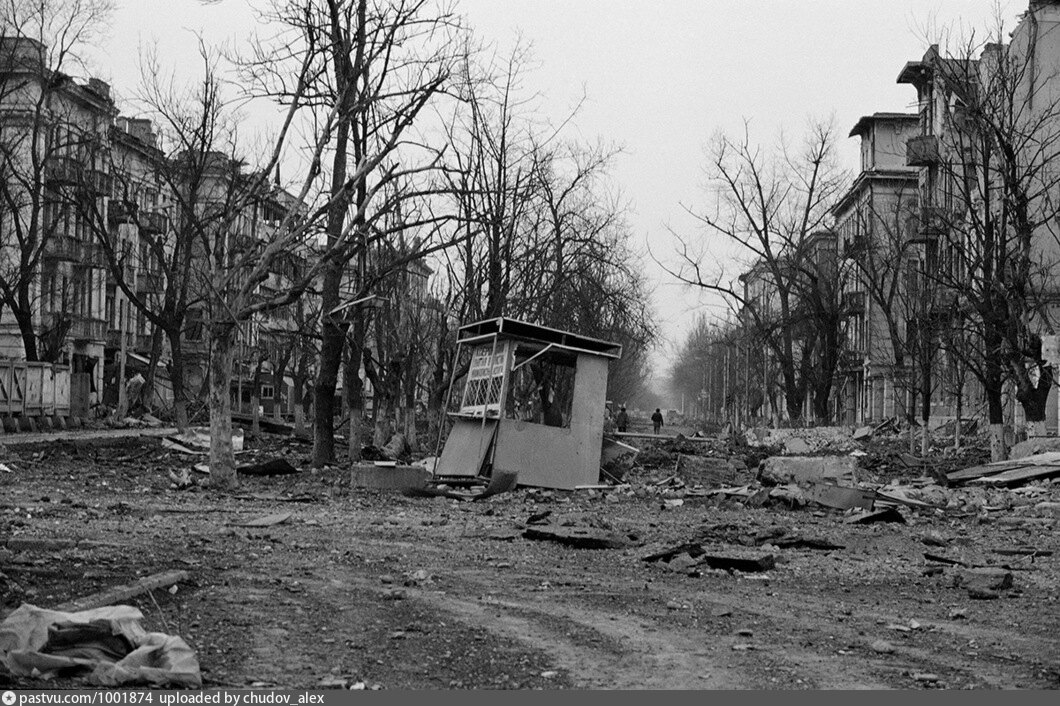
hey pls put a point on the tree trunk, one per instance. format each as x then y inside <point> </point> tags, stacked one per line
<point>960,412</point>
<point>147,392</point>
<point>1034,398</point>
<point>925,407</point>
<point>996,416</point>
<point>24,319</point>
<point>328,373</point>
<point>355,388</point>
<point>222,457</point>
<point>277,392</point>
<point>176,379</point>
<point>298,395</point>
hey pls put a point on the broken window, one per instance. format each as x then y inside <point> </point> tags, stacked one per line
<point>485,380</point>
<point>541,386</point>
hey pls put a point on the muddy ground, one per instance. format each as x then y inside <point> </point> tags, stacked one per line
<point>373,589</point>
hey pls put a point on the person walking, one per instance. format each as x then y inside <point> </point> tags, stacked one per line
<point>622,420</point>
<point>657,421</point>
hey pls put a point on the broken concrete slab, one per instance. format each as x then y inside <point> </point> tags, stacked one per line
<point>890,514</point>
<point>747,563</point>
<point>862,433</point>
<point>983,578</point>
<point>778,470</point>
<point>578,537</point>
<point>840,497</point>
<point>367,475</point>
<point>797,447</point>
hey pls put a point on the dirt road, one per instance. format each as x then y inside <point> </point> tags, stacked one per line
<point>360,587</point>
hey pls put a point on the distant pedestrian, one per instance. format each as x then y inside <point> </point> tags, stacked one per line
<point>622,420</point>
<point>657,421</point>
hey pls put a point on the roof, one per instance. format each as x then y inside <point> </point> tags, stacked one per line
<point>865,121</point>
<point>525,331</point>
<point>899,175</point>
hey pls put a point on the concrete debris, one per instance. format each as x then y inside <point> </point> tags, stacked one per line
<point>579,537</point>
<point>862,433</point>
<point>778,470</point>
<point>369,475</point>
<point>983,578</point>
<point>746,563</point>
<point>839,497</point>
<point>266,521</point>
<point>890,514</point>
<point>882,646</point>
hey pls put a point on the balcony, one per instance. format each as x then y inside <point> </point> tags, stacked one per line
<point>65,248</point>
<point>60,169</point>
<point>93,255</point>
<point>931,224</point>
<point>148,282</point>
<point>84,328</point>
<point>851,360</point>
<point>96,182</point>
<point>854,303</point>
<point>153,222</point>
<point>119,211</point>
<point>922,151</point>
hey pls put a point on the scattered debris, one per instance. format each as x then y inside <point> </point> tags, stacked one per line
<point>272,467</point>
<point>730,563</point>
<point>266,521</point>
<point>500,482</point>
<point>1010,473</point>
<point>578,537</point>
<point>839,497</point>
<point>778,470</point>
<point>107,644</point>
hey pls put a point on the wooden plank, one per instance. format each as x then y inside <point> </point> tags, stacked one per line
<point>124,593</point>
<point>1021,475</point>
<point>980,471</point>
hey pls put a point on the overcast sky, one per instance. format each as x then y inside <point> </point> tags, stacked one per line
<point>661,79</point>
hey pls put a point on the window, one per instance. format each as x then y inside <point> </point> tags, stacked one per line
<point>541,386</point>
<point>485,380</point>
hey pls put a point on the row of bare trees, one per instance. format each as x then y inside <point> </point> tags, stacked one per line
<point>430,191</point>
<point>959,270</point>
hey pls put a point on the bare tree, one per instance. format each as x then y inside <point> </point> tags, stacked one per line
<point>774,212</point>
<point>991,202</point>
<point>377,65</point>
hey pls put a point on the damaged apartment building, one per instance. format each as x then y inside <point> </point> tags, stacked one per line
<point>84,203</point>
<point>916,225</point>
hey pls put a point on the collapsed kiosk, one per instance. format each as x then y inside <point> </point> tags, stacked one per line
<point>532,403</point>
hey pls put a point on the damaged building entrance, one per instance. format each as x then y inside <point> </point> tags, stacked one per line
<point>532,403</point>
